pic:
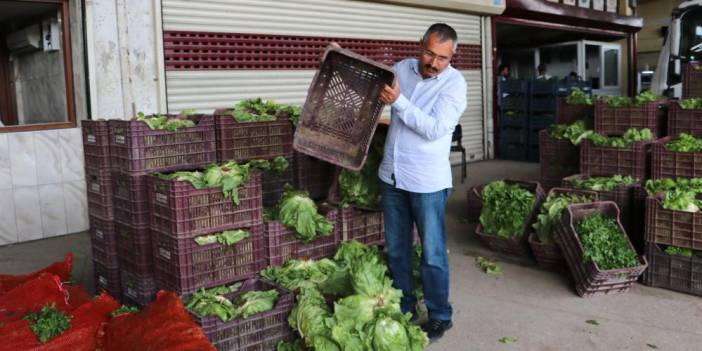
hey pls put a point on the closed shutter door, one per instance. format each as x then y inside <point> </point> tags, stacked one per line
<point>219,52</point>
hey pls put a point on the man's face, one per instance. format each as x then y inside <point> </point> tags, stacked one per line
<point>505,72</point>
<point>434,56</point>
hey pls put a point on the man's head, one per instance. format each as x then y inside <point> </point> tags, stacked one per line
<point>437,46</point>
<point>573,76</point>
<point>504,70</point>
<point>541,69</point>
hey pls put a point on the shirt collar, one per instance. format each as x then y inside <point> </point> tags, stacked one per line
<point>415,68</point>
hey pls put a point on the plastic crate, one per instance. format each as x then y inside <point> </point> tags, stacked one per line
<point>683,274</point>
<point>252,140</point>
<point>682,120</point>
<point>183,266</point>
<point>515,103</point>
<point>692,80</point>
<point>99,192</point>
<point>137,149</point>
<point>130,199</point>
<point>558,159</point>
<point>617,120</point>
<point>541,87</point>
<point>547,103</point>
<point>312,175</point>
<point>512,119</point>
<point>589,279</point>
<point>622,196</point>
<point>272,184</point>
<point>259,332</point>
<point>96,144</point>
<point>514,86</point>
<point>549,255</point>
<point>367,227</point>
<point>514,136</point>
<point>179,209</point>
<point>670,164</point>
<point>282,245</point>
<point>134,249</point>
<point>514,152</point>
<point>608,161</point>
<point>533,153</point>
<point>637,222</point>
<point>517,245</point>
<point>541,121</point>
<point>342,109</point>
<point>103,241</point>
<point>107,279</point>
<point>137,290</point>
<point>670,227</point>
<point>568,113</point>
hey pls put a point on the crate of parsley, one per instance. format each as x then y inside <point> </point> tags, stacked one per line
<point>162,143</point>
<point>255,129</point>
<point>202,202</point>
<point>574,107</point>
<point>673,212</point>
<point>298,228</point>
<point>609,155</point>
<point>685,117</point>
<point>677,157</point>
<point>599,254</point>
<point>559,151</point>
<point>509,209</point>
<point>541,241</point>
<point>250,315</point>
<point>617,114</point>
<point>674,268</point>
<point>692,80</point>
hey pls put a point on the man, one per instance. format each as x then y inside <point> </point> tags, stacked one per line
<point>427,98</point>
<point>503,76</point>
<point>542,72</point>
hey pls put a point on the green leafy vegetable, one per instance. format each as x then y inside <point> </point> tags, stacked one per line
<point>575,132</point>
<point>297,345</point>
<point>229,176</point>
<point>297,211</point>
<point>278,165</point>
<point>255,110</point>
<point>678,251</point>
<point>681,200</point>
<point>362,188</point>
<point>623,102</point>
<point>48,323</point>
<point>632,135</point>
<point>551,211</point>
<point>654,186</point>
<point>592,321</point>
<point>685,143</point>
<point>653,346</point>
<point>488,266</point>
<point>604,183</point>
<point>604,243</point>
<point>690,104</point>
<point>124,310</point>
<point>227,237</point>
<point>325,274</point>
<point>213,302</point>
<point>508,340</point>
<point>578,97</point>
<point>164,122</point>
<point>254,302</point>
<point>188,112</point>
<point>506,209</point>
<point>293,113</point>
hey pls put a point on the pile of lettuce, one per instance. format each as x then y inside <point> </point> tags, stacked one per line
<point>578,97</point>
<point>214,302</point>
<point>259,110</point>
<point>575,132</point>
<point>623,101</point>
<point>506,209</point>
<point>367,317</point>
<point>678,195</point>
<point>604,243</point>
<point>632,135</point>
<point>158,122</point>
<point>603,183</point>
<point>362,188</point>
<point>685,143</point>
<point>229,176</point>
<point>298,212</point>
<point>691,104</point>
<point>551,211</point>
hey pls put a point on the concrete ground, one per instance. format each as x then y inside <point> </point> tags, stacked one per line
<point>538,308</point>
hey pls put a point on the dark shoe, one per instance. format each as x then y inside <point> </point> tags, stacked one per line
<point>435,328</point>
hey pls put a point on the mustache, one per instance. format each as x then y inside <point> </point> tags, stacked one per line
<point>431,68</point>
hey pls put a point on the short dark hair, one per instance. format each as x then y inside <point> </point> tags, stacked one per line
<point>444,31</point>
<point>502,67</point>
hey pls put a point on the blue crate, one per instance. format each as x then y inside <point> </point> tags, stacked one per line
<point>513,102</point>
<point>514,152</point>
<point>516,120</point>
<point>541,121</point>
<point>544,104</point>
<point>533,153</point>
<point>514,86</point>
<point>544,87</point>
<point>514,135</point>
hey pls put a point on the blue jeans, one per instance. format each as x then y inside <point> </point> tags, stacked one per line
<point>401,209</point>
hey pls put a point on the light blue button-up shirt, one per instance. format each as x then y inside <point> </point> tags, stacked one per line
<point>423,119</point>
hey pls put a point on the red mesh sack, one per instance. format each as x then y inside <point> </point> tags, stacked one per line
<point>81,336</point>
<point>61,269</point>
<point>77,296</point>
<point>162,325</point>
<point>32,296</point>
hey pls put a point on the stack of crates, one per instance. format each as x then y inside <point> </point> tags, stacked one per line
<point>543,109</point>
<point>103,237</point>
<point>514,119</point>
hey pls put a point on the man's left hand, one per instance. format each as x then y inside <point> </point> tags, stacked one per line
<point>390,93</point>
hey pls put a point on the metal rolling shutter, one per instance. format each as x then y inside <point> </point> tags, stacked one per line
<point>207,89</point>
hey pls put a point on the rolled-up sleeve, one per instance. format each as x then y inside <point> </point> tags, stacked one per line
<point>442,118</point>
